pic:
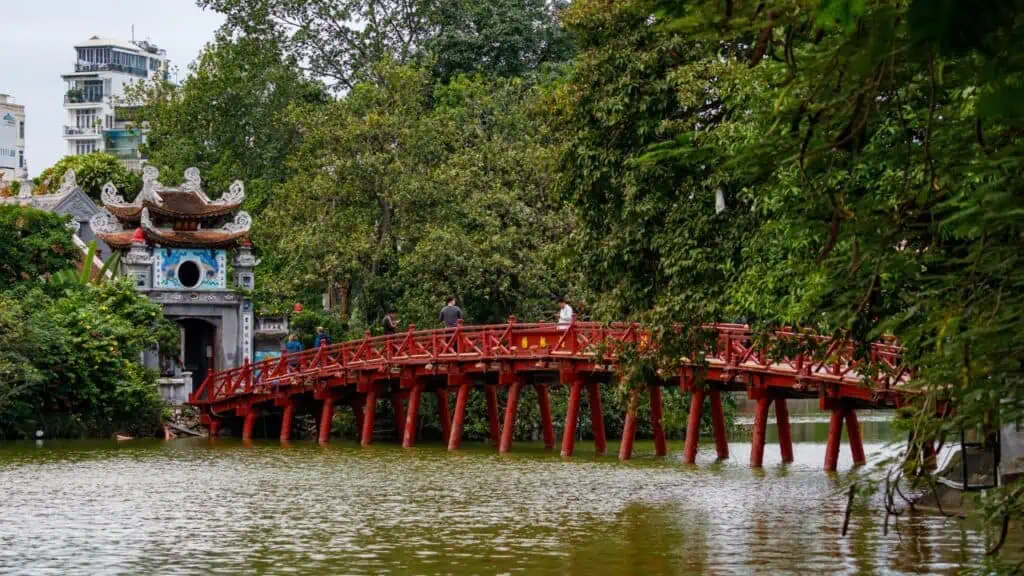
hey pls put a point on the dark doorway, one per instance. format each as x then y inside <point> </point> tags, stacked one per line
<point>200,349</point>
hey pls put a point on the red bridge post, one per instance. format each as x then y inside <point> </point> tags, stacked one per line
<point>547,428</point>
<point>571,416</point>
<point>764,401</point>
<point>214,427</point>
<point>369,415</point>
<point>511,406</point>
<point>854,438</point>
<point>491,394</point>
<point>250,422</point>
<point>629,427</point>
<point>782,424</point>
<point>461,399</point>
<point>326,416</point>
<point>718,425</point>
<point>693,426</point>
<point>286,421</point>
<point>412,414</point>
<point>597,417</point>
<point>660,448</point>
<point>835,432</point>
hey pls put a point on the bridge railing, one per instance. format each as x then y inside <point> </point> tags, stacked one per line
<point>733,346</point>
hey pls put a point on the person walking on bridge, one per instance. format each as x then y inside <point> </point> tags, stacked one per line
<point>451,314</point>
<point>293,346</point>
<point>564,314</point>
<point>321,338</point>
<point>390,322</point>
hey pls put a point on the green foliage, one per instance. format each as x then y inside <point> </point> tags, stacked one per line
<point>305,323</point>
<point>33,244</point>
<point>866,153</point>
<point>228,118</point>
<point>92,171</point>
<point>84,276</point>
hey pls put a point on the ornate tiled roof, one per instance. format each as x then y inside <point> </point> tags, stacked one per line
<point>111,230</point>
<point>185,202</point>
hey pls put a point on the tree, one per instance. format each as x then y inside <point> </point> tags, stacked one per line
<point>229,118</point>
<point>339,40</point>
<point>92,171</point>
<point>844,166</point>
<point>504,38</point>
<point>33,244</point>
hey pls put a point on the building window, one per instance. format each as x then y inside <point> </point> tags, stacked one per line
<point>85,147</point>
<point>21,129</point>
<point>21,158</point>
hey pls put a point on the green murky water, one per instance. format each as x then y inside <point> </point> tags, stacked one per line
<point>195,506</point>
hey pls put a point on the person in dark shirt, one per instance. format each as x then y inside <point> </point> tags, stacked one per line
<point>390,322</point>
<point>321,338</point>
<point>451,314</point>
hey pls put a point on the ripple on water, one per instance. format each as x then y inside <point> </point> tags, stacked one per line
<point>191,507</point>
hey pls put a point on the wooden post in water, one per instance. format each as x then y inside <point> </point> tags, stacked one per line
<point>547,428</point>
<point>491,395</point>
<point>326,415</point>
<point>511,406</point>
<point>571,416</point>
<point>214,427</point>
<point>718,425</point>
<point>629,427</point>
<point>250,422</point>
<point>369,416</point>
<point>455,438</point>
<point>660,448</point>
<point>412,414</point>
<point>764,402</point>
<point>782,423</point>
<point>835,432</point>
<point>597,417</point>
<point>853,437</point>
<point>286,420</point>
<point>693,426</point>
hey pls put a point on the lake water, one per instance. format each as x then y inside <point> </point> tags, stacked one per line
<point>197,507</point>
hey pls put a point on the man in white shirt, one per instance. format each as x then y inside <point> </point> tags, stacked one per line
<point>564,314</point>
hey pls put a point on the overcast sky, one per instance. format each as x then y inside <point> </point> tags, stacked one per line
<point>36,46</point>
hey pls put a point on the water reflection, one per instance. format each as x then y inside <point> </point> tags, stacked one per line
<point>191,506</point>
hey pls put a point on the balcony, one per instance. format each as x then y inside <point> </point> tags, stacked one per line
<point>81,133</point>
<point>79,97</point>
<point>92,67</point>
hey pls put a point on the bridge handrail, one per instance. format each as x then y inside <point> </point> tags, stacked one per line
<point>735,346</point>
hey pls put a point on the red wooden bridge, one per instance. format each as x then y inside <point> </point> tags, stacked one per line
<point>582,356</point>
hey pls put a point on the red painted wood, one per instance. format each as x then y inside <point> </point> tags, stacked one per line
<point>597,417</point>
<point>760,426</point>
<point>491,395</point>
<point>444,412</point>
<point>369,416</point>
<point>511,406</point>
<point>546,426</point>
<point>247,426</point>
<point>718,425</point>
<point>571,416</point>
<point>214,427</point>
<point>286,422</point>
<point>629,428</point>
<point>455,439</point>
<point>835,432</point>
<point>326,415</point>
<point>660,448</point>
<point>693,426</point>
<point>412,415</point>
<point>854,438</point>
<point>782,424</point>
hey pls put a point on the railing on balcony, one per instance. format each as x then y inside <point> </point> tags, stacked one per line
<point>82,98</point>
<point>88,67</point>
<point>123,153</point>
<point>78,131</point>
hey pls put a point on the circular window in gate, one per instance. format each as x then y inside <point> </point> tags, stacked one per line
<point>188,274</point>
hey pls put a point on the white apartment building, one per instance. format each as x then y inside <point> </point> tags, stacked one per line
<point>13,163</point>
<point>97,118</point>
